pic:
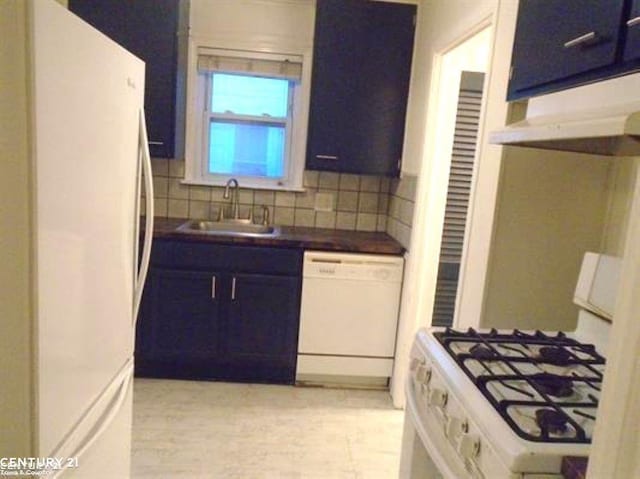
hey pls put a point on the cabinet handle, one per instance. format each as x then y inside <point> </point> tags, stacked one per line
<point>233,289</point>
<point>327,157</point>
<point>582,39</point>
<point>156,143</point>
<point>213,287</point>
<point>633,22</point>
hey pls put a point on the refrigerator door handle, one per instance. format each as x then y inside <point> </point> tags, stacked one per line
<point>124,383</point>
<point>145,158</point>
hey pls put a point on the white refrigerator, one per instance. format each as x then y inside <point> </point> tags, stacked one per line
<point>74,161</point>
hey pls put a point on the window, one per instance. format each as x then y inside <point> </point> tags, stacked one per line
<point>250,124</point>
<point>248,119</point>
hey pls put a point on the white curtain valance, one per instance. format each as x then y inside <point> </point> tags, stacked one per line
<point>289,69</point>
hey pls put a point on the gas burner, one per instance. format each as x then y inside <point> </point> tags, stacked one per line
<point>551,421</point>
<point>482,352</point>
<point>526,375</point>
<point>554,355</point>
<point>552,384</point>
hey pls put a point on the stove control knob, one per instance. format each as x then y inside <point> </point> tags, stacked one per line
<point>416,363</point>
<point>423,374</point>
<point>455,427</point>
<point>469,446</point>
<point>438,398</point>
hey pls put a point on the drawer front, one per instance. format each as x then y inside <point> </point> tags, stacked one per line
<point>211,256</point>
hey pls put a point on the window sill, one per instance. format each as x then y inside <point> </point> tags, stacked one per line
<point>248,185</point>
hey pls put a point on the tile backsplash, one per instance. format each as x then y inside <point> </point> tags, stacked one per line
<point>402,197</point>
<point>331,200</point>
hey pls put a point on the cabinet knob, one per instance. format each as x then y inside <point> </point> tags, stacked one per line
<point>156,143</point>
<point>327,157</point>
<point>213,287</point>
<point>233,289</point>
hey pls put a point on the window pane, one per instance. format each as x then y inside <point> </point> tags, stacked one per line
<point>246,148</point>
<point>246,95</point>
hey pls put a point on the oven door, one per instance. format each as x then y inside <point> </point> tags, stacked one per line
<point>426,452</point>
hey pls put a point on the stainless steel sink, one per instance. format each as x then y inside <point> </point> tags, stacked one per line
<point>228,227</point>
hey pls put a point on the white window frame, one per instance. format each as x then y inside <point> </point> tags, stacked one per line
<point>208,115</point>
<point>197,124</point>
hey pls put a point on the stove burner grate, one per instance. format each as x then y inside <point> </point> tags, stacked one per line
<point>553,384</point>
<point>480,351</point>
<point>555,355</point>
<point>575,365</point>
<point>551,421</point>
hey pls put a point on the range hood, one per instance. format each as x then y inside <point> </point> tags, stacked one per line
<point>601,118</point>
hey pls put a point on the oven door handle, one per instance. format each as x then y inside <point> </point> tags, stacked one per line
<point>436,455</point>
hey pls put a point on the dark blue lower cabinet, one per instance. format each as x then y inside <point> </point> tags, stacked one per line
<point>216,325</point>
<point>179,325</point>
<point>262,327</point>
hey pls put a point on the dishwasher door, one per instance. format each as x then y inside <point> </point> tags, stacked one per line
<point>349,314</point>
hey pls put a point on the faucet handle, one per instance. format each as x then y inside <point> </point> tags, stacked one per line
<point>265,215</point>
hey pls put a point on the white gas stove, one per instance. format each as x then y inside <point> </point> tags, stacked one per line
<point>509,404</point>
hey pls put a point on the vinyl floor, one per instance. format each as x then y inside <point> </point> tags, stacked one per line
<point>189,429</point>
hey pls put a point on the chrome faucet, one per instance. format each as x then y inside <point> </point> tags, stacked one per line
<point>265,215</point>
<point>234,198</point>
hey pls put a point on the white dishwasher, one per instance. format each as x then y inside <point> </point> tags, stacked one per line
<point>348,317</point>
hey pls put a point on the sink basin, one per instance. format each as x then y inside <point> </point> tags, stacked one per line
<point>230,227</point>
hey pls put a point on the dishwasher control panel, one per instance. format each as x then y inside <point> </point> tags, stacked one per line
<point>353,266</point>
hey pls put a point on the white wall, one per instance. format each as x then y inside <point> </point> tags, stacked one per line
<point>484,191</point>
<point>616,442</point>
<point>472,55</point>
<point>15,301</point>
<point>550,210</point>
<point>441,27</point>
<point>621,187</point>
<point>440,24</point>
<point>284,27</point>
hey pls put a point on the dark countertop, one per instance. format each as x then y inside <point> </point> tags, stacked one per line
<point>290,237</point>
<point>574,467</point>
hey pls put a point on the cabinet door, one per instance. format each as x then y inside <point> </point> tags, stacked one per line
<point>262,327</point>
<point>384,88</point>
<point>556,39</point>
<point>179,326</point>
<point>148,29</point>
<point>361,70</point>
<point>632,24</point>
<point>153,37</point>
<point>340,31</point>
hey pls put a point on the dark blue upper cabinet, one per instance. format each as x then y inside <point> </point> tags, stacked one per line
<point>148,29</point>
<point>632,26</point>
<point>336,58</point>
<point>360,83</point>
<point>562,43</point>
